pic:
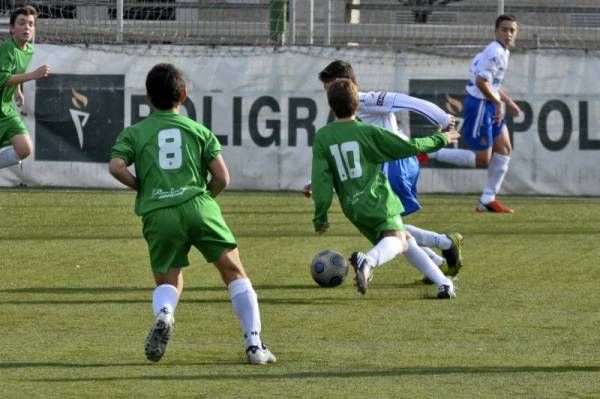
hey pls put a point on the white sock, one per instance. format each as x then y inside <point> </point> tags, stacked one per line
<point>454,156</point>
<point>426,238</point>
<point>245,306</point>
<point>435,258</point>
<point>384,251</point>
<point>8,157</point>
<point>164,296</point>
<point>421,261</point>
<point>496,171</point>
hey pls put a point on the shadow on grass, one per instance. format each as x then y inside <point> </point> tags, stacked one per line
<point>317,295</point>
<point>262,301</point>
<point>219,288</point>
<point>108,290</point>
<point>66,365</point>
<point>324,374</point>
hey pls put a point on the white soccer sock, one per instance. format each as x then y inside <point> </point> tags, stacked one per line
<point>426,238</point>
<point>435,258</point>
<point>245,306</point>
<point>496,171</point>
<point>421,261</point>
<point>8,157</point>
<point>454,156</point>
<point>385,250</point>
<point>164,296</point>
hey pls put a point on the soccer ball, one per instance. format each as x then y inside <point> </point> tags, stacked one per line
<point>328,268</point>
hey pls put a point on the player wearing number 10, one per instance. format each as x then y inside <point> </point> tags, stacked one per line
<point>347,156</point>
<point>173,155</point>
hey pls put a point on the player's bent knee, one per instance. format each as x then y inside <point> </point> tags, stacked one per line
<point>22,146</point>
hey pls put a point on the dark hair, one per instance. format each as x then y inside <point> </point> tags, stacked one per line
<point>26,10</point>
<point>164,85</point>
<point>505,17</point>
<point>336,70</point>
<point>342,96</point>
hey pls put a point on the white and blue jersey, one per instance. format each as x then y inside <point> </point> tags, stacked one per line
<point>479,127</point>
<point>378,108</point>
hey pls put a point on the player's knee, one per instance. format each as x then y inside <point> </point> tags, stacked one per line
<point>22,146</point>
<point>482,161</point>
<point>23,152</point>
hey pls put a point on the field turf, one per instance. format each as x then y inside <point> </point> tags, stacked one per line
<point>76,288</point>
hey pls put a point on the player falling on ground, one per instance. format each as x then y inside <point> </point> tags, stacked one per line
<point>378,108</point>
<point>15,55</point>
<point>173,156</point>
<point>484,128</point>
<point>347,158</point>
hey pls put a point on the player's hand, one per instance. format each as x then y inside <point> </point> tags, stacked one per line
<point>307,190</point>
<point>452,136</point>
<point>41,72</point>
<point>514,109</point>
<point>19,98</point>
<point>452,124</point>
<point>499,114</point>
<point>323,228</point>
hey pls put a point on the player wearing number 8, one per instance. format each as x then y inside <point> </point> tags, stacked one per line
<point>173,156</point>
<point>347,156</point>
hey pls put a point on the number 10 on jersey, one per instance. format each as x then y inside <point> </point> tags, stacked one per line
<point>347,159</point>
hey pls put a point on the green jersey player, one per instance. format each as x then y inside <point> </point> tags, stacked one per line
<point>173,156</point>
<point>347,158</point>
<point>15,55</point>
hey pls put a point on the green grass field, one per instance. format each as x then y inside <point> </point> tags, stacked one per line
<point>76,289</point>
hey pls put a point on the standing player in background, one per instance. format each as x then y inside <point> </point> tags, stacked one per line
<point>347,157</point>
<point>173,156</point>
<point>15,55</point>
<point>484,127</point>
<point>378,108</point>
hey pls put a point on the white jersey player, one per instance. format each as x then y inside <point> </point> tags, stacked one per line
<point>484,128</point>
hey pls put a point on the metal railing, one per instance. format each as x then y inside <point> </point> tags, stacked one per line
<point>394,24</point>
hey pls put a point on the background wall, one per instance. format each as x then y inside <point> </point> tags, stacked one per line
<point>265,105</point>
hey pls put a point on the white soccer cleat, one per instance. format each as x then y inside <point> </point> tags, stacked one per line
<point>363,270</point>
<point>260,355</point>
<point>159,335</point>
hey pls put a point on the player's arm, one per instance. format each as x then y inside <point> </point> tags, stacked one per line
<point>386,102</point>
<point>118,168</point>
<point>322,189</point>
<point>38,73</point>
<point>220,176</point>
<point>483,84</point>
<point>122,155</point>
<point>388,146</point>
<point>19,97</point>
<point>515,110</point>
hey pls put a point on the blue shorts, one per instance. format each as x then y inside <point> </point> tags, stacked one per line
<point>403,175</point>
<point>479,128</point>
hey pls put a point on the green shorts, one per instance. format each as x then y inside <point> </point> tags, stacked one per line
<point>170,232</point>
<point>9,128</point>
<point>373,231</point>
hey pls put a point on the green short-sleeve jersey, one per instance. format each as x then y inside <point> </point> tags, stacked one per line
<point>347,157</point>
<point>13,61</point>
<point>171,154</point>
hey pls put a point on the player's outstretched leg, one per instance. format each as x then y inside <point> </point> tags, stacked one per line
<point>159,335</point>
